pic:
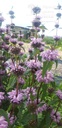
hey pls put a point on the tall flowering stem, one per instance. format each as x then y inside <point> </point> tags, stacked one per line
<point>38,93</point>
<point>17,87</point>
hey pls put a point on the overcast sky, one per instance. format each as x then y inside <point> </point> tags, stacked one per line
<point>24,15</point>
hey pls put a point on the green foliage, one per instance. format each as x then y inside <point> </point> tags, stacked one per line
<point>11,83</point>
<point>49,40</point>
<point>44,91</point>
<point>26,40</point>
<point>47,65</point>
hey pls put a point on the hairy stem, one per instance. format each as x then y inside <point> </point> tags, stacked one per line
<point>17,88</point>
<point>38,93</point>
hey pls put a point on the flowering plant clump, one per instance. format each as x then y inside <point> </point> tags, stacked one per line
<point>29,94</point>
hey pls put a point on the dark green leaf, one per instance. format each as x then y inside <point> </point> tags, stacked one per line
<point>44,89</point>
<point>48,120</point>
<point>11,83</point>
<point>47,65</point>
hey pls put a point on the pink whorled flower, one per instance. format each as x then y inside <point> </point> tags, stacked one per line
<point>11,118</point>
<point>41,108</point>
<point>33,65</point>
<point>57,38</point>
<point>19,70</point>
<point>2,30</point>
<point>15,68</point>
<point>20,35</point>
<point>36,42</point>
<point>30,50</point>
<point>20,43</point>
<point>36,22</point>
<point>55,116</point>
<point>37,29</point>
<point>31,38</point>
<point>3,122</point>
<point>6,37</point>
<point>29,90</point>
<point>49,55</point>
<point>59,94</point>
<point>13,40</point>
<point>47,78</point>
<point>21,80</point>
<point>41,48</point>
<point>14,97</point>
<point>1,96</point>
<point>43,43</point>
